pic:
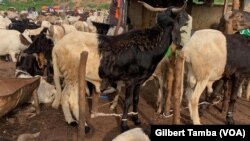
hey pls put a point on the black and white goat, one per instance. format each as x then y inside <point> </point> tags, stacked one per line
<point>129,57</point>
<point>210,56</point>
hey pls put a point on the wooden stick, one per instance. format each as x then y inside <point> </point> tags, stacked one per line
<point>82,101</point>
<point>225,7</point>
<point>177,88</point>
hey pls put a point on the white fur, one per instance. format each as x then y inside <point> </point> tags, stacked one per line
<point>46,92</point>
<point>205,55</point>
<point>66,59</point>
<point>135,134</point>
<point>4,22</point>
<point>10,43</point>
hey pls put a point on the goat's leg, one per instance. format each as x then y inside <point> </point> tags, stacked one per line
<point>128,100</point>
<point>211,94</point>
<point>170,81</point>
<point>159,103</point>
<point>227,89</point>
<point>115,101</point>
<point>66,107</point>
<point>13,57</point>
<point>49,69</point>
<point>217,89</point>
<point>236,82</point>
<point>194,100</point>
<point>135,117</point>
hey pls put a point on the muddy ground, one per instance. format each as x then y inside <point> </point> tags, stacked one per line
<point>52,126</point>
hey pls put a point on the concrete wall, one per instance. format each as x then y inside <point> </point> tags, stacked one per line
<point>139,16</point>
<point>205,16</point>
<point>135,14</point>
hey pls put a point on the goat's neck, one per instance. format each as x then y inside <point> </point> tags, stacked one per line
<point>166,38</point>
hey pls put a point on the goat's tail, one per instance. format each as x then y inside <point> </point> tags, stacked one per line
<point>57,100</point>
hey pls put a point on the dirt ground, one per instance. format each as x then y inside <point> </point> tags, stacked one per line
<point>52,126</point>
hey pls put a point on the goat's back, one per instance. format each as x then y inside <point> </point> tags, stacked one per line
<point>206,51</point>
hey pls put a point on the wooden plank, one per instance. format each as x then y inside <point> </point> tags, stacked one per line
<point>225,7</point>
<point>236,4</point>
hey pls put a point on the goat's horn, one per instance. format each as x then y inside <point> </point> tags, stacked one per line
<point>177,10</point>
<point>150,8</point>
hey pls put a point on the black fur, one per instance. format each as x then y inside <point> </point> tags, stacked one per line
<point>133,56</point>
<point>42,44</point>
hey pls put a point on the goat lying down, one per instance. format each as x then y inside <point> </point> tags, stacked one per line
<point>46,92</point>
<point>211,55</point>
<point>129,57</point>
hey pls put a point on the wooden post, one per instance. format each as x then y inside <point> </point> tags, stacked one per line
<point>225,7</point>
<point>95,101</point>
<point>177,91</point>
<point>82,100</point>
<point>120,18</point>
<point>236,5</point>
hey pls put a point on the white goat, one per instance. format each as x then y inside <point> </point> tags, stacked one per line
<point>13,42</point>
<point>46,92</point>
<point>4,22</point>
<point>135,134</point>
<point>206,62</point>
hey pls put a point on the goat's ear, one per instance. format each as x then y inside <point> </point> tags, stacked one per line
<point>176,35</point>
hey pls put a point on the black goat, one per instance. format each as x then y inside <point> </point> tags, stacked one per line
<point>133,56</point>
<point>28,63</point>
<point>43,47</point>
<point>102,28</point>
<point>237,67</point>
<point>21,25</point>
<point>129,57</point>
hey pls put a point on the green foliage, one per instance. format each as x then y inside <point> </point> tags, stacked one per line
<point>93,5</point>
<point>24,5</point>
<point>216,2</point>
<point>39,3</point>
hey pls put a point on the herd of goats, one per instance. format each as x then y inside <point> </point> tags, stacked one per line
<point>52,49</point>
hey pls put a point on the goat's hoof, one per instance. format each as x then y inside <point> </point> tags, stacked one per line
<point>112,108</point>
<point>136,120</point>
<point>159,111</point>
<point>230,121</point>
<point>55,105</point>
<point>73,123</point>
<point>87,129</point>
<point>124,128</point>
<point>50,79</point>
